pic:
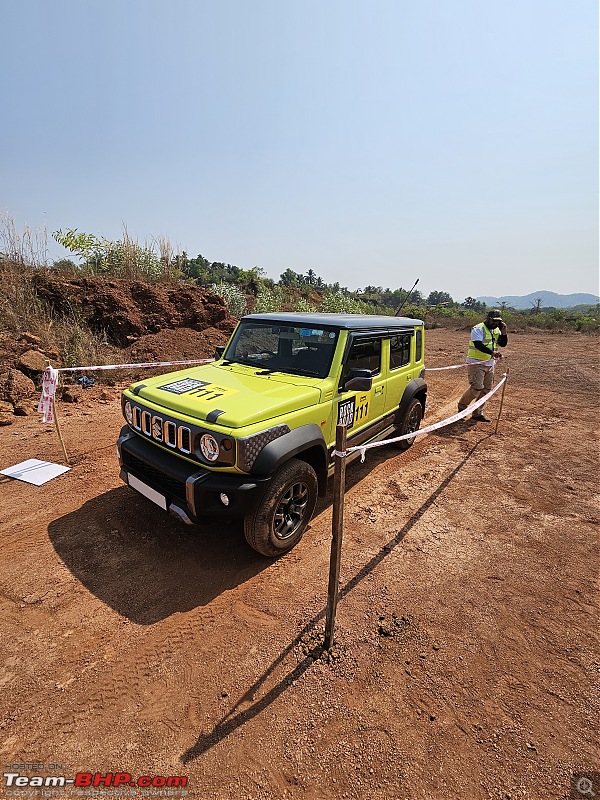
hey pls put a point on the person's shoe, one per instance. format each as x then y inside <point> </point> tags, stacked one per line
<point>481,418</point>
<point>461,408</point>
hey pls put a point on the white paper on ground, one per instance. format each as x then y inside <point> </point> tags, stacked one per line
<point>34,471</point>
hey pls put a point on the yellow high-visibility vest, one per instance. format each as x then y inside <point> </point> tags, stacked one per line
<point>490,339</point>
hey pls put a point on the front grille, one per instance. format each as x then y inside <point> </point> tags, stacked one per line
<point>157,429</point>
<point>137,418</point>
<point>185,440</point>
<point>153,426</point>
<point>154,477</point>
<point>171,434</point>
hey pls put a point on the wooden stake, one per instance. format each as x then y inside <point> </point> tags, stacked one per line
<point>501,402</point>
<point>59,433</point>
<point>337,531</point>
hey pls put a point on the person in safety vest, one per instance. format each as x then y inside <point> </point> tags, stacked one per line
<point>481,358</point>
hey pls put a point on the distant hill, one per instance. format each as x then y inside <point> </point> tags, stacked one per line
<point>549,299</point>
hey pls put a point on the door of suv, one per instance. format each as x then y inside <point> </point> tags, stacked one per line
<point>359,410</point>
<point>401,369</point>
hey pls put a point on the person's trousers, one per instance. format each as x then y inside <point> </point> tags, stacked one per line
<point>481,380</point>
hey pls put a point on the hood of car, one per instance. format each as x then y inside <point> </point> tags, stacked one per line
<point>233,396</point>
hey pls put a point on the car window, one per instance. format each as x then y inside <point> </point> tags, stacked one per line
<point>399,351</point>
<point>419,345</point>
<point>365,353</point>
<point>298,350</point>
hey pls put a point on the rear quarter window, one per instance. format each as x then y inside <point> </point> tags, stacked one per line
<point>400,351</point>
<point>418,344</point>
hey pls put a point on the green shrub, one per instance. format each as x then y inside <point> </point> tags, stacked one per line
<point>124,258</point>
<point>338,303</point>
<point>234,298</point>
<point>304,306</point>
<point>269,300</point>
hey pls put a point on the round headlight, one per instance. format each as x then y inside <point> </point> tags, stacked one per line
<point>209,447</point>
<point>128,412</point>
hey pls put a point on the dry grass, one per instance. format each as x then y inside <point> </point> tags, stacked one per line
<point>29,247</point>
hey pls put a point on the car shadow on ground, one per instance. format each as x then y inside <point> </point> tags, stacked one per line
<point>237,716</point>
<point>147,565</point>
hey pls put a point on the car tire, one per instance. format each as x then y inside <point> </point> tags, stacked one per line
<point>285,510</point>
<point>411,421</point>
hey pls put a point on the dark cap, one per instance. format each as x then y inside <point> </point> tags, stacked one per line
<point>495,313</point>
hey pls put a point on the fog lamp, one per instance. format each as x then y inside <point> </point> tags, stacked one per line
<point>224,498</point>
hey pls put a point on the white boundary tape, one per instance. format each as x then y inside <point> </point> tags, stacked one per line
<point>50,384</point>
<point>455,366</point>
<point>362,449</point>
<point>50,379</point>
<point>439,369</point>
<point>135,366</point>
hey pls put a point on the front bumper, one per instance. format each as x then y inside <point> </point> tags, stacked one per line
<point>190,493</point>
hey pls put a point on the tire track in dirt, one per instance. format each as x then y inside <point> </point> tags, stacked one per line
<point>136,662</point>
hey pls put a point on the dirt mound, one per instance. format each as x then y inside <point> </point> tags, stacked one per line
<point>177,344</point>
<point>140,321</point>
<point>124,310</point>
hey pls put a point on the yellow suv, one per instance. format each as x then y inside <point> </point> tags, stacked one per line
<point>251,434</point>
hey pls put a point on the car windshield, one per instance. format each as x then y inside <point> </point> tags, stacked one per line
<point>273,347</point>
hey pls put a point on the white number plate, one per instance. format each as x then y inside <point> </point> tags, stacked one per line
<point>147,491</point>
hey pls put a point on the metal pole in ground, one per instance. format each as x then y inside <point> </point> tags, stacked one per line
<point>501,401</point>
<point>337,530</point>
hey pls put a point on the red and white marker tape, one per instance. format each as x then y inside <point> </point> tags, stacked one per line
<point>49,384</point>
<point>50,379</point>
<point>454,366</point>
<point>136,366</point>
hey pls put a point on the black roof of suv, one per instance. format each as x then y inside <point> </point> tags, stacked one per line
<point>345,321</point>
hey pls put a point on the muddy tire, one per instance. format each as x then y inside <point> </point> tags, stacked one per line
<point>411,421</point>
<point>282,515</point>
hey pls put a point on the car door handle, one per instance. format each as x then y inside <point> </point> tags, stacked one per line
<point>379,390</point>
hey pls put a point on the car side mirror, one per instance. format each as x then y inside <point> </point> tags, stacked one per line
<point>219,350</point>
<point>359,380</point>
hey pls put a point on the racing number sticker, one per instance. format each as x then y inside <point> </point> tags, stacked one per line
<point>350,411</point>
<point>212,392</point>
<point>346,412</point>
<point>362,408</point>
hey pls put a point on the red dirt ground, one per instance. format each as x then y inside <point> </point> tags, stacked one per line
<point>467,629</point>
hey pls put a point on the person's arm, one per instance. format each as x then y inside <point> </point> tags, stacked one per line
<point>503,338</point>
<point>483,348</point>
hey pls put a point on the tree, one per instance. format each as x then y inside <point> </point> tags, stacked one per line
<point>474,305</point>
<point>289,278</point>
<point>197,267</point>
<point>65,264</point>
<point>537,305</point>
<point>437,298</point>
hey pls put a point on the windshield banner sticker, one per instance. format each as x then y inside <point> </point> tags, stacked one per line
<point>183,386</point>
<point>202,390</point>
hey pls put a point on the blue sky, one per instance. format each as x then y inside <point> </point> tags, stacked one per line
<point>455,141</point>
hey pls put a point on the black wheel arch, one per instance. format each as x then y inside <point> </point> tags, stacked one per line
<point>305,443</point>
<point>415,390</point>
